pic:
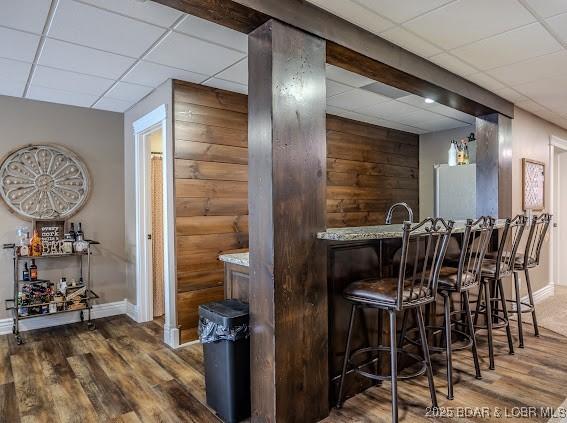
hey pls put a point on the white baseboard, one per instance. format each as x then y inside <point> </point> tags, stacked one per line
<point>98,311</point>
<point>541,294</point>
<point>132,311</point>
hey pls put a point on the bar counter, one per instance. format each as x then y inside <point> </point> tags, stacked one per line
<point>353,253</point>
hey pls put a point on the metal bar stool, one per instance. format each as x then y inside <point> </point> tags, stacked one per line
<point>493,270</point>
<point>460,280</point>
<point>529,259</point>
<point>423,250</point>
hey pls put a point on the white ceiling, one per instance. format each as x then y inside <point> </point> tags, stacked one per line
<point>515,48</point>
<point>109,54</point>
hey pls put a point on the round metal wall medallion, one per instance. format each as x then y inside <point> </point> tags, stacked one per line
<point>44,182</point>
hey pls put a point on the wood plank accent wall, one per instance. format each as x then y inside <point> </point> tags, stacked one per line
<point>368,169</point>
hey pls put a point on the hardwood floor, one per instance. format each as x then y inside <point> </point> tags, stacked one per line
<point>122,372</point>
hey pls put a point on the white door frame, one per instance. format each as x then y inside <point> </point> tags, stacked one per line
<point>144,284</point>
<point>556,145</point>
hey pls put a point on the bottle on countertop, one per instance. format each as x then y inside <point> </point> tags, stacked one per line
<point>33,271</point>
<point>26,273</point>
<point>36,247</point>
<point>453,153</point>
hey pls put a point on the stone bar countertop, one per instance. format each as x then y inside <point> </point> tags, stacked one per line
<point>361,233</point>
<point>356,233</point>
<point>242,259</point>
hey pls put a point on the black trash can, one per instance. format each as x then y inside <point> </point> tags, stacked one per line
<point>224,333</point>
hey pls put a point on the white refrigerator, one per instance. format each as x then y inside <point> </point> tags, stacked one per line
<point>455,191</point>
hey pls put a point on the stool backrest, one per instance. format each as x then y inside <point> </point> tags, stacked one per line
<point>423,250</point>
<point>538,230</point>
<point>476,240</point>
<point>509,243</point>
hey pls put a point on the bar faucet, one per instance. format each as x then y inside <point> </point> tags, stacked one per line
<point>391,211</point>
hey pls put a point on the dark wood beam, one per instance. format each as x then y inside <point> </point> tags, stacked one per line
<point>287,189</point>
<point>494,165</point>
<point>368,54</point>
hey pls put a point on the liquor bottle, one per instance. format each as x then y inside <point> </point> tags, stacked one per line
<point>25,245</point>
<point>35,245</point>
<point>467,158</point>
<point>26,273</point>
<point>80,234</point>
<point>72,232</point>
<point>453,153</point>
<point>461,154</point>
<point>33,271</point>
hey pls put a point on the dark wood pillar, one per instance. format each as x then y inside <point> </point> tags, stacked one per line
<point>287,182</point>
<point>494,165</point>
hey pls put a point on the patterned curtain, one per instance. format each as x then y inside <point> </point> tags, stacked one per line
<point>157,235</point>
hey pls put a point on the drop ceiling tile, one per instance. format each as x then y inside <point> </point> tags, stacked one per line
<point>411,42</point>
<point>13,77</point>
<point>465,21</point>
<point>59,54</point>
<point>70,81</point>
<point>355,13</point>
<point>334,88</point>
<point>209,31</point>
<point>559,25</point>
<point>96,28</point>
<point>547,8</point>
<point>511,47</point>
<point>128,92</point>
<point>236,73</point>
<point>510,94</point>
<point>346,77</point>
<point>60,96</point>
<point>113,105</point>
<point>438,108</point>
<point>401,11</point>
<point>356,99</point>
<point>485,81</point>
<point>391,110</point>
<point>226,85</point>
<point>18,45</point>
<point>27,15</point>
<point>530,106</point>
<point>533,69</point>
<point>550,92</point>
<point>451,63</point>
<point>184,52</point>
<point>153,75</point>
<point>147,11</point>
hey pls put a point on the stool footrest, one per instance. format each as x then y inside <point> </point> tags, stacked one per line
<point>358,368</point>
<point>502,322</point>
<point>438,330</point>
<point>525,307</point>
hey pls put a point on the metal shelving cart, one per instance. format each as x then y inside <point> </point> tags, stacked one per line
<point>85,302</point>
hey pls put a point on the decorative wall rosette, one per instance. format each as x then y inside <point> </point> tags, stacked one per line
<point>44,182</point>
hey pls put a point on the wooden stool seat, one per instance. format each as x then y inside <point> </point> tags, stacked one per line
<point>381,291</point>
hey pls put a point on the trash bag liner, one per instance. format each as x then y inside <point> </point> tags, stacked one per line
<point>226,320</point>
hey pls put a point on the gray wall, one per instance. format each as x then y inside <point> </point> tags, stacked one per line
<point>161,95</point>
<point>97,137</point>
<point>433,149</point>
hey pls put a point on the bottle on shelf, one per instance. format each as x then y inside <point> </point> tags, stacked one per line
<point>26,273</point>
<point>68,244</point>
<point>80,234</point>
<point>72,233</point>
<point>453,153</point>
<point>80,245</point>
<point>35,245</point>
<point>467,157</point>
<point>461,154</point>
<point>33,271</point>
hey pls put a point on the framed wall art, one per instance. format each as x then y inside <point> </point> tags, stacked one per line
<point>533,185</point>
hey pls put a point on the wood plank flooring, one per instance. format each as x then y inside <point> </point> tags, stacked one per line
<point>122,372</point>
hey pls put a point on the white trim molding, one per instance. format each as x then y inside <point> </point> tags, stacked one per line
<point>541,294</point>
<point>132,311</point>
<point>98,311</point>
<point>143,311</point>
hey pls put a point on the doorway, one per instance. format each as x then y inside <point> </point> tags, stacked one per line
<point>155,283</point>
<point>558,156</point>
